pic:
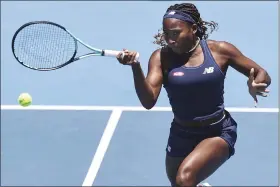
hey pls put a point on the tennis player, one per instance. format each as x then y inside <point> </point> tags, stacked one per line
<point>192,69</point>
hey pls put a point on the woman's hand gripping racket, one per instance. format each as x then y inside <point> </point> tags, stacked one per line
<point>45,46</point>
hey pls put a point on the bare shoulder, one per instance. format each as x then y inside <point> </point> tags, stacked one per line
<point>159,56</point>
<point>223,48</point>
<point>155,56</point>
<point>155,61</point>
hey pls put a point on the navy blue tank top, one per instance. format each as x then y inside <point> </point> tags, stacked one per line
<point>196,93</point>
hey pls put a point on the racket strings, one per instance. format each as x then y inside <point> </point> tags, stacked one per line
<point>44,46</point>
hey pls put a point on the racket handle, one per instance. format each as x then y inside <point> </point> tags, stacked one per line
<point>113,53</point>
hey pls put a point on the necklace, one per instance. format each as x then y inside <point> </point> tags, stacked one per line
<point>197,42</point>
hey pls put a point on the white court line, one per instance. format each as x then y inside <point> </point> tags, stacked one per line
<point>102,147</point>
<point>124,108</point>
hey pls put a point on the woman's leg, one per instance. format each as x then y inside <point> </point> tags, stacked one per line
<point>203,161</point>
<point>192,159</point>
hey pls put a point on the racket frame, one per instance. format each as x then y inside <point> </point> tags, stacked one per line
<point>95,51</point>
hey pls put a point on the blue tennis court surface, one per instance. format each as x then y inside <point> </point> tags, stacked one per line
<point>55,142</point>
<point>57,148</point>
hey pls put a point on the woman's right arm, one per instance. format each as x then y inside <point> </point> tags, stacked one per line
<point>147,88</point>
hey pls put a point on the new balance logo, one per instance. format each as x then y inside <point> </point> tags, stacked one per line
<point>172,13</point>
<point>208,70</point>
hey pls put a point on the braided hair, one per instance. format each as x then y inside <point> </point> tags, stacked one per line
<point>190,9</point>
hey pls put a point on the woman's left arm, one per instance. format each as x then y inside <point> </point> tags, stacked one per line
<point>258,77</point>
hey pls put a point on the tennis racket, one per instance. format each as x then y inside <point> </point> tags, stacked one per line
<point>45,46</point>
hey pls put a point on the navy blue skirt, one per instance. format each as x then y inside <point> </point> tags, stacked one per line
<point>182,140</point>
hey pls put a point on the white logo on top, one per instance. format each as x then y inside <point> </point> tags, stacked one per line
<point>208,70</point>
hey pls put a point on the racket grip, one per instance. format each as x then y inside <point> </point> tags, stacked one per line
<point>113,53</point>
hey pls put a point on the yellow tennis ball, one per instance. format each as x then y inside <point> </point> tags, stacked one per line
<point>24,99</point>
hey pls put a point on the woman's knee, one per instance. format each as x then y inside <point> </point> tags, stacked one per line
<point>172,166</point>
<point>186,177</point>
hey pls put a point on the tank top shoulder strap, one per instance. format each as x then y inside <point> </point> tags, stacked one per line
<point>164,67</point>
<point>208,57</point>
<point>205,49</point>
